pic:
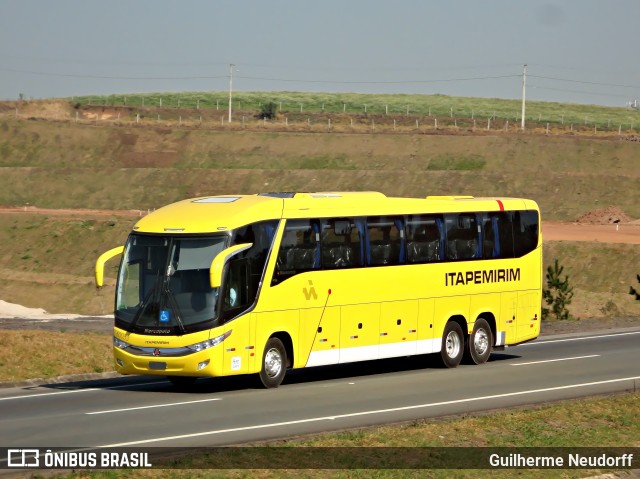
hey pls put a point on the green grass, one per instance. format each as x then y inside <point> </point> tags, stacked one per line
<point>450,162</point>
<point>28,354</point>
<point>382,104</point>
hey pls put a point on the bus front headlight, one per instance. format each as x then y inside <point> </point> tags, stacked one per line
<point>209,343</point>
<point>118,343</point>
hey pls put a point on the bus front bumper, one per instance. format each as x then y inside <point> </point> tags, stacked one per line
<point>199,364</point>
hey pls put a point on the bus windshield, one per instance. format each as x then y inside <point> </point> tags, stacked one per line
<point>164,283</point>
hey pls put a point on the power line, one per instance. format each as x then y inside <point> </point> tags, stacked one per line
<point>206,77</point>
<point>584,92</point>
<point>584,82</point>
<point>395,82</point>
<point>104,77</point>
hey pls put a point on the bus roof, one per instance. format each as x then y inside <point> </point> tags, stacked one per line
<point>223,213</point>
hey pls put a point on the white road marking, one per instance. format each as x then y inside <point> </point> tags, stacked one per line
<point>368,413</point>
<point>535,343</point>
<point>80,390</point>
<point>153,406</point>
<point>554,360</point>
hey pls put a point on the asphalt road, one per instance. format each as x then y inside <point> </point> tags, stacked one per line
<point>148,411</point>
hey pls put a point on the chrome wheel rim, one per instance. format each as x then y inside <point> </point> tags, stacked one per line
<point>272,363</point>
<point>481,341</point>
<point>452,344</point>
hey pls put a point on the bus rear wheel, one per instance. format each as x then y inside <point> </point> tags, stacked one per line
<point>478,347</point>
<point>274,363</point>
<point>452,345</point>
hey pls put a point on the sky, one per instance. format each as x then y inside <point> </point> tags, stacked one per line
<point>576,51</point>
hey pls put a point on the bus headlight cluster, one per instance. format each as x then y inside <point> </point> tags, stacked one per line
<point>209,343</point>
<point>118,343</point>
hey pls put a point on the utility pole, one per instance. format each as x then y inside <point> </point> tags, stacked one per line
<point>524,90</point>
<point>231,65</point>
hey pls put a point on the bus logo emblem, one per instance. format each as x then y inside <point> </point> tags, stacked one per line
<point>156,352</point>
<point>310,293</point>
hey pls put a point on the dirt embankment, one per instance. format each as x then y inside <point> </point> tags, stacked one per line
<point>605,225</point>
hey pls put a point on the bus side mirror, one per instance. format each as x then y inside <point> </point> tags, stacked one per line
<point>221,259</point>
<point>102,259</point>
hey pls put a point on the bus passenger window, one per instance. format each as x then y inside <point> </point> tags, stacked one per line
<point>299,249</point>
<point>525,232</point>
<point>423,239</point>
<point>341,247</point>
<point>462,236</point>
<point>497,239</point>
<point>384,241</point>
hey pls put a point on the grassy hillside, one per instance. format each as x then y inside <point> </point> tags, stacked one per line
<point>72,165</point>
<point>411,105</point>
<point>48,261</point>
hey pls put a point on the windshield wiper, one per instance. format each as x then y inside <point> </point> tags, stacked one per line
<point>174,306</point>
<point>145,302</point>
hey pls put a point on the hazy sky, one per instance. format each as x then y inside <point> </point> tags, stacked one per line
<point>578,51</point>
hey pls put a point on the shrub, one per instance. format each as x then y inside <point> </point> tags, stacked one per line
<point>268,111</point>
<point>557,294</point>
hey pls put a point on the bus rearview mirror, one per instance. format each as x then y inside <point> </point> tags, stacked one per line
<point>221,259</point>
<point>102,259</point>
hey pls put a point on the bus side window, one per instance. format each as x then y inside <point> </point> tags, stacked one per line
<point>502,222</point>
<point>423,239</point>
<point>341,243</point>
<point>384,241</point>
<point>462,236</point>
<point>299,249</point>
<point>236,296</point>
<point>525,232</point>
<point>254,260</point>
<point>490,240</point>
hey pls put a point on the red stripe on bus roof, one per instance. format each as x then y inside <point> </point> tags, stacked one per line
<point>500,205</point>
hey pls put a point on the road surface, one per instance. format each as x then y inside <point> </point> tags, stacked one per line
<point>148,411</point>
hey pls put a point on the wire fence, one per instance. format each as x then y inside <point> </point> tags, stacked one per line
<point>289,104</point>
<point>214,119</point>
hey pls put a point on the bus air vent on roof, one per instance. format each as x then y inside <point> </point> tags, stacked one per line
<point>217,199</point>
<point>279,194</point>
<point>450,197</point>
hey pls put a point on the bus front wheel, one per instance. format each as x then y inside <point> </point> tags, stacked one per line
<point>452,345</point>
<point>478,347</point>
<point>274,363</point>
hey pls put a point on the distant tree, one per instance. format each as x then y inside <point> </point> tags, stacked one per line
<point>268,111</point>
<point>557,294</point>
<point>634,291</point>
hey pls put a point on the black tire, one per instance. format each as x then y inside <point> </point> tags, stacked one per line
<point>480,342</point>
<point>274,363</point>
<point>452,345</point>
<point>182,381</point>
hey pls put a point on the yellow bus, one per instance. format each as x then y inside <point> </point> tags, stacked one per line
<point>247,284</point>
